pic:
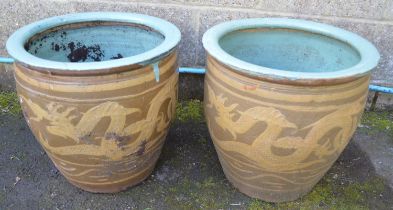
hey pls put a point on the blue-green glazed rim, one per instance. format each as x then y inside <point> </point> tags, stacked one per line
<point>369,56</point>
<point>15,44</point>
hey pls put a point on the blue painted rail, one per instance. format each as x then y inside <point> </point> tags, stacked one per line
<point>188,70</point>
<point>374,88</point>
<point>6,60</point>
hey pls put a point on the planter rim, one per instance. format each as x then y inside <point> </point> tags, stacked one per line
<point>369,55</point>
<point>15,44</point>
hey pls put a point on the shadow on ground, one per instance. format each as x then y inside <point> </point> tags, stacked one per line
<point>188,176</point>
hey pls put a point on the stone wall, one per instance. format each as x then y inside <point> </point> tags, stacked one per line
<point>372,19</point>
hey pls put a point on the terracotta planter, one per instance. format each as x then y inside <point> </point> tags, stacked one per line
<point>282,99</point>
<point>102,123</point>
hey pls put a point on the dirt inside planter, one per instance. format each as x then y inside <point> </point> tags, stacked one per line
<point>88,42</point>
<point>80,52</point>
<point>76,51</point>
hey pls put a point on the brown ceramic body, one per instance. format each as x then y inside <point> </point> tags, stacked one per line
<point>276,141</point>
<point>103,130</point>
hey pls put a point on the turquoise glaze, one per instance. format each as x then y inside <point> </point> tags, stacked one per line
<point>96,43</point>
<point>79,48</point>
<point>280,48</point>
<point>290,50</point>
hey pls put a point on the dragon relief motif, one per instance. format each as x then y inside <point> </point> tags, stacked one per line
<point>112,145</point>
<point>344,118</point>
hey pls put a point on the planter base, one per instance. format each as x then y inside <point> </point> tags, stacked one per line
<point>118,186</point>
<point>266,195</point>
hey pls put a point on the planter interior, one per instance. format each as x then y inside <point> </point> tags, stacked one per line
<point>290,50</point>
<point>93,41</point>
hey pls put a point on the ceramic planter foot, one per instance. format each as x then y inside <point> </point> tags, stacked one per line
<point>112,187</point>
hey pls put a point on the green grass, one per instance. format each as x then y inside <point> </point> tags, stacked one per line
<point>2,196</point>
<point>191,110</point>
<point>381,121</point>
<point>207,194</point>
<point>9,103</point>
<point>328,194</point>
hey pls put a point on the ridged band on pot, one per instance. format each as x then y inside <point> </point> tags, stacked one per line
<point>103,124</point>
<point>277,132</point>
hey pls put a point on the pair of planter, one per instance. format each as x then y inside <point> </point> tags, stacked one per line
<point>282,97</point>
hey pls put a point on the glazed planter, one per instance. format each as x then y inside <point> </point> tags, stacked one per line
<point>98,91</point>
<point>283,98</point>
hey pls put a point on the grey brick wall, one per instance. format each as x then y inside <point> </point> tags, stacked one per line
<point>372,19</point>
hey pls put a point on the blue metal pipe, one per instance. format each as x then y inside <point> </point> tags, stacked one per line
<point>6,60</point>
<point>374,88</point>
<point>188,70</point>
<point>381,89</point>
<point>192,70</point>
